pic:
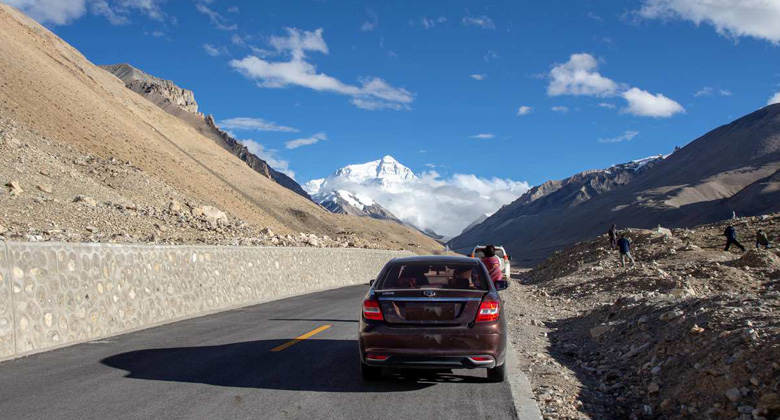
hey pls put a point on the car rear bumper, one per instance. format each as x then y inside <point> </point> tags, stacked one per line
<point>433,362</point>
<point>432,347</point>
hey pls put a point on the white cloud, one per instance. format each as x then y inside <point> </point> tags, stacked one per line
<point>371,23</point>
<point>444,204</point>
<point>64,12</point>
<point>57,12</point>
<point>595,17</point>
<point>236,39</point>
<point>561,109</point>
<point>626,136</point>
<point>774,99</point>
<point>429,23</point>
<point>214,51</point>
<point>270,156</point>
<point>478,76</point>
<point>484,136</point>
<point>373,92</point>
<point>102,8</point>
<point>490,55</point>
<point>233,9</point>
<point>731,18</point>
<point>483,22</point>
<point>645,104</point>
<point>294,144</point>
<point>606,105</point>
<point>216,19</point>
<point>580,76</point>
<point>711,91</point>
<point>524,110</point>
<point>256,124</point>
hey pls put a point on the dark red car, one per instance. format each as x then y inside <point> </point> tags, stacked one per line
<point>433,312</point>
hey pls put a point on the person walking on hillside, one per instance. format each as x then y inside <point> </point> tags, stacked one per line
<point>624,246</point>
<point>492,263</point>
<point>762,240</point>
<point>731,238</point>
<point>613,236</point>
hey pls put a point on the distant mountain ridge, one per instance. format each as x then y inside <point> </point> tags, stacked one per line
<point>735,167</point>
<point>181,103</point>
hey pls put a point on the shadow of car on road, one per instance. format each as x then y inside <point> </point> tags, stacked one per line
<point>309,365</point>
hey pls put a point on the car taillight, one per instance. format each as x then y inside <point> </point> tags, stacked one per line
<point>371,310</point>
<point>506,257</point>
<point>488,311</point>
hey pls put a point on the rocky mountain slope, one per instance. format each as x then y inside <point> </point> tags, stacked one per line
<point>86,158</point>
<point>181,103</point>
<point>690,332</point>
<point>732,168</point>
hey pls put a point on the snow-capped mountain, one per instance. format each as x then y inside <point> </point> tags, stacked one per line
<point>386,172</point>
<point>338,194</point>
<point>428,202</point>
<point>349,190</point>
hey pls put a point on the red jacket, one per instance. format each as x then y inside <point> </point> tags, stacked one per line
<point>493,265</point>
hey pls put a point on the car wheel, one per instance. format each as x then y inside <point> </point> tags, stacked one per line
<point>497,374</point>
<point>370,373</point>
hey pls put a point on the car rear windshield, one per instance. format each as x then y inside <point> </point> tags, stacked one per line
<point>480,253</point>
<point>434,276</point>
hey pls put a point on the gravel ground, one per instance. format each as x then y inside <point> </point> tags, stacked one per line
<point>690,332</point>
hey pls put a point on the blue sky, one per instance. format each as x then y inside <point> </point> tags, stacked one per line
<point>440,84</point>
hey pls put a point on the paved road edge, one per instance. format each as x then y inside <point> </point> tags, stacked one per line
<point>522,394</point>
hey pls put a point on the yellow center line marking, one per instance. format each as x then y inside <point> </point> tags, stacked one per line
<point>301,338</point>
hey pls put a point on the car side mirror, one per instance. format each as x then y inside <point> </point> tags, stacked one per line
<point>371,282</point>
<point>509,257</point>
<point>502,284</point>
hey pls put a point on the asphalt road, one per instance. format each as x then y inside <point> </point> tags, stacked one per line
<point>222,366</point>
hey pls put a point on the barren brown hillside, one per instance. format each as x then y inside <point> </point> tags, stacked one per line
<point>54,94</point>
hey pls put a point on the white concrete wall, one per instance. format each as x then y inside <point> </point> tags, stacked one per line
<point>57,294</point>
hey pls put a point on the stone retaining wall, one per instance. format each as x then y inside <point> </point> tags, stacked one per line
<point>57,294</point>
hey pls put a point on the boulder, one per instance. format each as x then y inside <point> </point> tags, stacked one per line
<point>174,206</point>
<point>733,394</point>
<point>673,314</point>
<point>681,292</point>
<point>87,201</point>
<point>14,187</point>
<point>212,215</point>
<point>597,331</point>
<point>46,188</point>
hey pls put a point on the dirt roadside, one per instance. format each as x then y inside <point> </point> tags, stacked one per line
<point>690,332</point>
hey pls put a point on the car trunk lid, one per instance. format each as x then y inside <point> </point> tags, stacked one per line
<point>438,307</point>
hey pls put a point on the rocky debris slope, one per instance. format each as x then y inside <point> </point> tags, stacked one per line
<point>51,192</point>
<point>691,332</point>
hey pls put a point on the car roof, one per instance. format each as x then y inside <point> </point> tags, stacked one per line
<point>485,246</point>
<point>435,259</point>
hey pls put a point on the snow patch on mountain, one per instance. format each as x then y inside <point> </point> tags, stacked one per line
<point>427,201</point>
